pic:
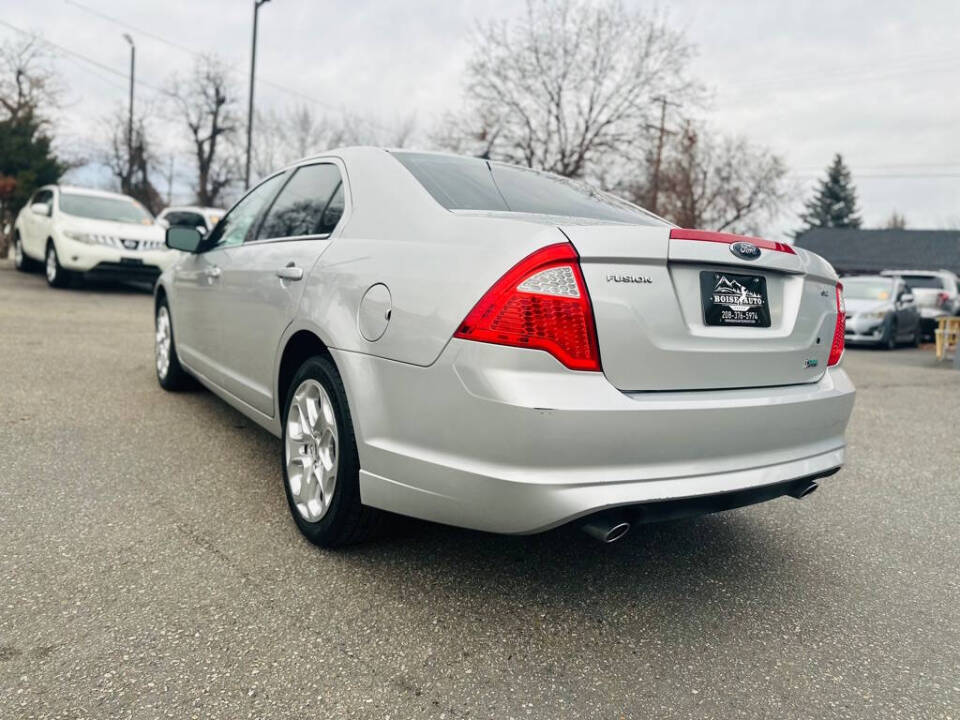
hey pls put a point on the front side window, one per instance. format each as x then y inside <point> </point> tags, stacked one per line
<point>43,196</point>
<point>311,203</point>
<point>96,207</point>
<point>461,183</point>
<point>234,227</point>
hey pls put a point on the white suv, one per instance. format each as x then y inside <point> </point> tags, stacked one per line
<point>74,231</point>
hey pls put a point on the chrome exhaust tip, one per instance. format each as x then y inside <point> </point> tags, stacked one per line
<point>606,529</point>
<point>802,489</point>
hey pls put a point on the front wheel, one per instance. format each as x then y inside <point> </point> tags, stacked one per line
<point>57,276</point>
<point>889,341</point>
<point>20,260</point>
<point>321,469</point>
<point>170,374</point>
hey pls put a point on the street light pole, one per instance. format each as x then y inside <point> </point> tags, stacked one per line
<point>133,57</point>
<point>253,65</point>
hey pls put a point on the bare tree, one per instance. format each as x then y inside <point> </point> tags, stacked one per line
<point>719,182</point>
<point>896,221</point>
<point>27,80</point>
<point>298,132</point>
<point>206,101</point>
<point>570,87</point>
<point>131,160</point>
<point>28,91</point>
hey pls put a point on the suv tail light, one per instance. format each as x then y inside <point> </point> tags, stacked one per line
<point>942,299</point>
<point>540,303</point>
<point>839,341</point>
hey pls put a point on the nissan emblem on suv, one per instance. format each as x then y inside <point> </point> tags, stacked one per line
<point>745,250</point>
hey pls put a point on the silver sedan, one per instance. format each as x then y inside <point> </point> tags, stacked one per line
<point>488,346</point>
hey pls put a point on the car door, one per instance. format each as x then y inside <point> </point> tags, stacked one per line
<point>908,316</point>
<point>198,283</point>
<point>38,227</point>
<point>263,281</point>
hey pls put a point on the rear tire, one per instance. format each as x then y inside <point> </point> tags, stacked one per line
<point>170,374</point>
<point>21,261</point>
<point>321,468</point>
<point>56,275</point>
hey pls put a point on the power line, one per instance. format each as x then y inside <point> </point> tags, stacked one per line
<point>195,53</point>
<point>75,54</point>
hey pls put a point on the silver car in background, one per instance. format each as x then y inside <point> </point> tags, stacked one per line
<point>881,311</point>
<point>937,293</point>
<point>487,346</point>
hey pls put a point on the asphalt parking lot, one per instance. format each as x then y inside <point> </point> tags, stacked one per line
<point>150,569</point>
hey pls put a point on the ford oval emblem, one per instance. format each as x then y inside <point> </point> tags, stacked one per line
<point>745,250</point>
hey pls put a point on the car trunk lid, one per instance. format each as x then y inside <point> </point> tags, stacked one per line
<point>647,286</point>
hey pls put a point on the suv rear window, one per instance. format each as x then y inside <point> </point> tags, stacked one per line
<point>461,183</point>
<point>924,281</point>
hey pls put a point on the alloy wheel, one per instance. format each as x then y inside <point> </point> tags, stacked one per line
<point>52,269</point>
<point>164,338</point>
<point>310,451</point>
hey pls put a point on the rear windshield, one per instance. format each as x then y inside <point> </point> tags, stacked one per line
<point>97,207</point>
<point>873,289</point>
<point>924,281</point>
<point>461,183</point>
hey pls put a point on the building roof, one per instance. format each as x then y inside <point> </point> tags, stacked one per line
<point>859,251</point>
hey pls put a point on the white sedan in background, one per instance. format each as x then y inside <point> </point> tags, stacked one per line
<point>488,346</point>
<point>202,218</point>
<point>76,231</point>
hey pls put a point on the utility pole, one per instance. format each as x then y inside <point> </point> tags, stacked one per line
<point>655,182</point>
<point>170,182</point>
<point>133,58</point>
<point>253,65</point>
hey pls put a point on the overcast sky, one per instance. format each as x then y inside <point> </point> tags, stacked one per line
<point>876,80</point>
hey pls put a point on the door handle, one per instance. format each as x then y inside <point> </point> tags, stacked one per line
<point>213,272</point>
<point>290,272</point>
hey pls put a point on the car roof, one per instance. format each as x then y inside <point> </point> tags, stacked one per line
<point>927,273</point>
<point>92,192</point>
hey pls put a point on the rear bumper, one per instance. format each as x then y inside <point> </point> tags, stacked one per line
<point>508,440</point>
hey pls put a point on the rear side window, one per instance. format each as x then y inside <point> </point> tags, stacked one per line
<point>460,183</point>
<point>924,281</point>
<point>311,203</point>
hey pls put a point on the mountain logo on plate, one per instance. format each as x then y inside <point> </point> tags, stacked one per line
<point>745,250</point>
<point>735,295</point>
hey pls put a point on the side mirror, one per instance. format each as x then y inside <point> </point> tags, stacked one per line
<point>187,239</point>
<point>906,298</point>
<point>41,209</point>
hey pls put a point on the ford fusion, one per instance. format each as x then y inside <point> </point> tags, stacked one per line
<point>488,346</point>
<point>75,231</point>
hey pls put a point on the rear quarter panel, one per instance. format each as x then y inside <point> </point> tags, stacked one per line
<point>435,263</point>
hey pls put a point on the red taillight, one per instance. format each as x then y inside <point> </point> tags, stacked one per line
<point>540,303</point>
<point>942,299</point>
<point>728,238</point>
<point>836,350</point>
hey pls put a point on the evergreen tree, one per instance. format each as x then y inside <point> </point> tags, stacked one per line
<point>834,205</point>
<point>26,162</point>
